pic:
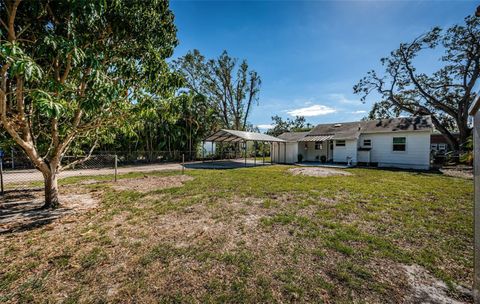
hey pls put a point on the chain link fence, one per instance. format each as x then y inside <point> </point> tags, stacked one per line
<point>22,176</point>
<point>17,172</point>
<point>19,175</point>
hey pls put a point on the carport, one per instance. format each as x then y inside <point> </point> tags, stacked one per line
<point>234,136</point>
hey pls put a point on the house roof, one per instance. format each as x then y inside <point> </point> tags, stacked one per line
<point>349,130</point>
<point>292,136</point>
<point>398,124</point>
<point>345,129</point>
<point>225,135</point>
<point>352,130</point>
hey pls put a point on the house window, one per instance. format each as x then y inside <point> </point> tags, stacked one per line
<point>434,147</point>
<point>442,147</point>
<point>339,143</point>
<point>318,145</point>
<point>367,142</point>
<point>399,144</point>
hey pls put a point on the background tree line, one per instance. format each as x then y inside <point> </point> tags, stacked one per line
<point>78,76</point>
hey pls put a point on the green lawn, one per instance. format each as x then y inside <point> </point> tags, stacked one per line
<point>249,235</point>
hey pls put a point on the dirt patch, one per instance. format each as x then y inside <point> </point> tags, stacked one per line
<point>82,201</point>
<point>149,183</point>
<point>23,212</point>
<point>460,171</point>
<point>321,172</point>
<point>427,289</point>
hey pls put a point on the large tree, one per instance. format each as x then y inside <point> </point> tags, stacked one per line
<point>70,68</point>
<point>446,94</point>
<point>230,86</point>
<point>299,124</point>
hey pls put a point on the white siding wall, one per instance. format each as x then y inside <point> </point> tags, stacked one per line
<point>364,157</point>
<point>416,156</point>
<point>310,154</point>
<point>340,154</point>
<point>279,153</point>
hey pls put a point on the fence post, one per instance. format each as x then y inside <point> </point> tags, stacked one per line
<point>116,164</point>
<point>183,163</point>
<point>1,176</point>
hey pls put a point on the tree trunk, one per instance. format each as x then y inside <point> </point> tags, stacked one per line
<point>51,191</point>
<point>451,139</point>
<point>464,133</point>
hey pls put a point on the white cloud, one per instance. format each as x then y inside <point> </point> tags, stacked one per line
<point>265,127</point>
<point>359,112</point>
<point>315,110</point>
<point>342,99</point>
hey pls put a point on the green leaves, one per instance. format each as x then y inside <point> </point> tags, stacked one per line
<point>446,94</point>
<point>46,104</point>
<point>20,63</point>
<point>228,84</point>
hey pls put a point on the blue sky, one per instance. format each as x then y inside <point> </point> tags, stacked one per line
<point>310,54</point>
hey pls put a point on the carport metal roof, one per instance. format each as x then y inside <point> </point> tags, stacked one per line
<point>316,138</point>
<point>225,135</point>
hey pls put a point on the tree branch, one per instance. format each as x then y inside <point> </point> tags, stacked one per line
<point>428,97</point>
<point>67,69</point>
<point>82,160</point>
<point>11,21</point>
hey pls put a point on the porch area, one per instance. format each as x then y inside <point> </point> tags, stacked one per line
<point>315,150</point>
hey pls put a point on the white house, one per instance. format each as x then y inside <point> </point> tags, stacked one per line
<point>402,142</point>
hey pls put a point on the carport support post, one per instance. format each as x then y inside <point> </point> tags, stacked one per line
<point>285,152</point>
<point>245,150</point>
<point>254,153</point>
<point>263,153</point>
<point>271,153</point>
<point>203,151</point>
<point>212,154</point>
<point>278,147</point>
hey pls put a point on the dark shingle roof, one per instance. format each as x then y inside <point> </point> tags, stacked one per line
<point>353,129</point>
<point>292,136</point>
<point>398,124</point>
<point>343,130</point>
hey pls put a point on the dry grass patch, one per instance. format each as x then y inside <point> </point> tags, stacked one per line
<point>319,172</point>
<point>150,183</point>
<point>458,171</point>
<point>254,235</point>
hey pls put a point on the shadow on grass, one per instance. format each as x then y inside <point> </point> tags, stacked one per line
<point>21,210</point>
